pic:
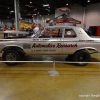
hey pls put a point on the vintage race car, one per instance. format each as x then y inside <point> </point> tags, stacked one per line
<point>70,40</point>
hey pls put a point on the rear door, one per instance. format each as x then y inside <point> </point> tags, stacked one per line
<point>70,41</point>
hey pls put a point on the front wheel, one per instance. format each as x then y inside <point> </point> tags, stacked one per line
<point>11,55</point>
<point>81,56</point>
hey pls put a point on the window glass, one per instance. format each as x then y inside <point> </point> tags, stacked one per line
<point>52,33</point>
<point>69,33</point>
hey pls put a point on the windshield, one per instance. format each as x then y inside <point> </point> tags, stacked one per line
<point>37,34</point>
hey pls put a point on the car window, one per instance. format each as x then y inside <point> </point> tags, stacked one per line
<point>52,33</point>
<point>69,33</point>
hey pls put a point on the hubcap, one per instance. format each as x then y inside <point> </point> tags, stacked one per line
<point>11,57</point>
<point>81,57</point>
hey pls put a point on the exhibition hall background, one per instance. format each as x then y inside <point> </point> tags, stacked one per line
<point>89,16</point>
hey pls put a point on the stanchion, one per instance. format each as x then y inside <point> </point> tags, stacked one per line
<point>53,72</point>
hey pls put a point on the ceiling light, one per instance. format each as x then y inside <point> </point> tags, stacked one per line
<point>8,7</point>
<point>48,14</point>
<point>88,1</point>
<point>30,2</point>
<point>67,4</point>
<point>40,15</point>
<point>45,5</point>
<point>35,9</point>
<point>34,14</point>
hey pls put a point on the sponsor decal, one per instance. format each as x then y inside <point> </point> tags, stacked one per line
<point>59,45</point>
<point>64,9</point>
<point>43,46</point>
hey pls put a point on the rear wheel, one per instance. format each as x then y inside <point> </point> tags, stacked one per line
<point>11,55</point>
<point>81,56</point>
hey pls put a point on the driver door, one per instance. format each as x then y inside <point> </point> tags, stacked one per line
<point>48,42</point>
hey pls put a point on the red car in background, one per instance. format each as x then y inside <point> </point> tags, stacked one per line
<point>94,31</point>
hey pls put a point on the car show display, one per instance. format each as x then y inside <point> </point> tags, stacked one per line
<point>70,40</point>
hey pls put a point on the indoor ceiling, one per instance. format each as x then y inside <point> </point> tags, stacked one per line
<point>30,7</point>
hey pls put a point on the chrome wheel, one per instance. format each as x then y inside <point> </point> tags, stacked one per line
<point>11,57</point>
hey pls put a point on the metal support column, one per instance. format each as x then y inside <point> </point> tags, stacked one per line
<point>16,4</point>
<point>84,24</point>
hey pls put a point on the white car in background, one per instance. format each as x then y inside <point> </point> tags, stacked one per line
<point>52,40</point>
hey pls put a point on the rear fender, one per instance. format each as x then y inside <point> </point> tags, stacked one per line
<point>91,50</point>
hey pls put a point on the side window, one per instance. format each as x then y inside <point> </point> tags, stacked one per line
<point>69,33</point>
<point>52,33</point>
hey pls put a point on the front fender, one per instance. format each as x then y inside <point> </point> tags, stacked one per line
<point>14,47</point>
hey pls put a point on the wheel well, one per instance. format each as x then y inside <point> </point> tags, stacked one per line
<point>18,49</point>
<point>89,50</point>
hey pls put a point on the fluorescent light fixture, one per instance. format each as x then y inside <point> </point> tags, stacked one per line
<point>45,5</point>
<point>12,11</point>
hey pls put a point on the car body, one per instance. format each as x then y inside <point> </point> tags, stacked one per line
<point>70,40</point>
<point>11,34</point>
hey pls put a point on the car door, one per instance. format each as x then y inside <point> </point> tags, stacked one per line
<point>48,42</point>
<point>70,41</point>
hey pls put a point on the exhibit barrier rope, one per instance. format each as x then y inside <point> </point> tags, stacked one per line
<point>51,62</point>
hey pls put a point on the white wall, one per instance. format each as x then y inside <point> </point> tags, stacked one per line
<point>93,15</point>
<point>76,12</point>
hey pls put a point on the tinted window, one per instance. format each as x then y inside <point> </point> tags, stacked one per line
<point>69,33</point>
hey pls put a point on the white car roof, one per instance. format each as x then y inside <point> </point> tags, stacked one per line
<point>62,27</point>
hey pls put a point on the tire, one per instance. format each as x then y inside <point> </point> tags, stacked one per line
<point>11,55</point>
<point>81,56</point>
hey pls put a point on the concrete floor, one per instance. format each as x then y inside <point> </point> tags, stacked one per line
<point>31,81</point>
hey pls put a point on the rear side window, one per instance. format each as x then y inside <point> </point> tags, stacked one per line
<point>52,33</point>
<point>69,33</point>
